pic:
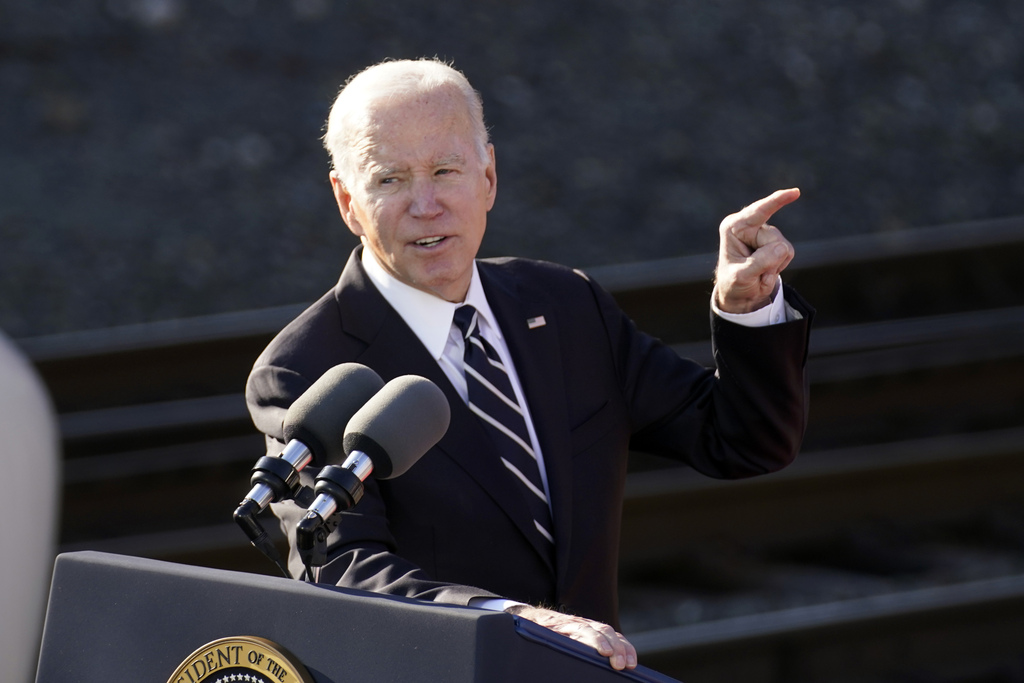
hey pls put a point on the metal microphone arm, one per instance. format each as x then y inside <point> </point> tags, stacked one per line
<point>338,488</point>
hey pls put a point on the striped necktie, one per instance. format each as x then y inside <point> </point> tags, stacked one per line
<point>493,400</point>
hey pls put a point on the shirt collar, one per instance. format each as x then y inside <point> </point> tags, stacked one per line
<point>428,316</point>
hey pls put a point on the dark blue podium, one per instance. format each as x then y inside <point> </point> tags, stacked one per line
<point>120,618</point>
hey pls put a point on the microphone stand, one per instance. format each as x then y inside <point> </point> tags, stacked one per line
<point>337,488</point>
<point>245,517</point>
<point>274,478</point>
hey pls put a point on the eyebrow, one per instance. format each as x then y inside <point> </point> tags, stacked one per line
<point>378,171</point>
<point>382,170</point>
<point>450,159</point>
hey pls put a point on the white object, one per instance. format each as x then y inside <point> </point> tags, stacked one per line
<point>29,464</point>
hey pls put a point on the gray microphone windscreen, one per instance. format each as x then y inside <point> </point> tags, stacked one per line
<point>399,424</point>
<point>318,417</point>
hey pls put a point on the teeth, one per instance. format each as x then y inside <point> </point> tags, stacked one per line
<point>429,241</point>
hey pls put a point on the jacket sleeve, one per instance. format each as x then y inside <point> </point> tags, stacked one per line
<point>745,417</point>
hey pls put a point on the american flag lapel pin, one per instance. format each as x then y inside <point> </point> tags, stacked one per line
<point>534,323</point>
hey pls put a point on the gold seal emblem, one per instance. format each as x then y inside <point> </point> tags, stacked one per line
<point>241,659</point>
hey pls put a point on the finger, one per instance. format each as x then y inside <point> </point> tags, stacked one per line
<point>772,247</point>
<point>631,658</point>
<point>773,255</point>
<point>764,263</point>
<point>760,211</point>
<point>768,249</point>
<point>620,652</point>
<point>601,637</point>
<point>625,654</point>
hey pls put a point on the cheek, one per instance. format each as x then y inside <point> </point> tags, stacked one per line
<point>370,219</point>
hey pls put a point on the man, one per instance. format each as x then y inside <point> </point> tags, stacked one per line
<point>473,522</point>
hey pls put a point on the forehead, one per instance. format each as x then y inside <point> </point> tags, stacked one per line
<point>423,127</point>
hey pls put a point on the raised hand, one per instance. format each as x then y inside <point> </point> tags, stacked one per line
<point>751,255</point>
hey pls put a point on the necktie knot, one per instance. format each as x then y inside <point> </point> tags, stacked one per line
<point>465,316</point>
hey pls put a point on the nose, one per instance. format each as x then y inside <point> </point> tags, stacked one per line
<point>424,202</point>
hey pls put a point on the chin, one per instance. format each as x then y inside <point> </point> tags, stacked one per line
<point>448,289</point>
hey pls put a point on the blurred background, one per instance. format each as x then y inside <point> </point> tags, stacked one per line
<point>165,209</point>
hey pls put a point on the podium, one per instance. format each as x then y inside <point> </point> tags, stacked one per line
<point>120,618</point>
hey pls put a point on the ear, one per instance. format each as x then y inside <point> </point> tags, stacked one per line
<point>491,173</point>
<point>344,199</point>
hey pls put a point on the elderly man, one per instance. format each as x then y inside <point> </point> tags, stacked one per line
<point>518,507</point>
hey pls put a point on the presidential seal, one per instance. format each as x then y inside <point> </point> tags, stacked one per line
<point>241,659</point>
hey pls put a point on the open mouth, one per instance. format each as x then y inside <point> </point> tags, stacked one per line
<point>429,241</point>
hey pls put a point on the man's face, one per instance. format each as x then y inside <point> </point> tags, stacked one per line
<point>420,192</point>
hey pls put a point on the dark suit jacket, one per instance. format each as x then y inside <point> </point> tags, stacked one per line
<point>451,528</point>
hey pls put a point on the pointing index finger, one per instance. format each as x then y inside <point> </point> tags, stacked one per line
<point>759,212</point>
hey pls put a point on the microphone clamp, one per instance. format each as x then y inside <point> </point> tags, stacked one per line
<point>277,478</point>
<point>337,488</point>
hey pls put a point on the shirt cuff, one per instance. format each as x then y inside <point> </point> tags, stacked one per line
<point>493,604</point>
<point>772,314</point>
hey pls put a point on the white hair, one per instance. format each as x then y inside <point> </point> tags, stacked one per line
<point>348,120</point>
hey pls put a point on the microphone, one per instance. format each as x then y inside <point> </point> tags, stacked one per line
<point>314,431</point>
<point>384,438</point>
